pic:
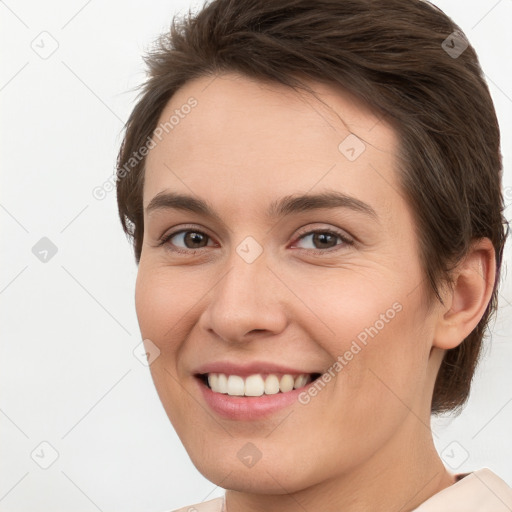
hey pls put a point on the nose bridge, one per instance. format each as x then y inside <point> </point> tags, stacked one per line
<point>241,288</point>
<point>245,299</point>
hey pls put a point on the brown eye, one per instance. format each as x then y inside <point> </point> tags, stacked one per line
<point>186,241</point>
<point>194,239</point>
<point>322,240</point>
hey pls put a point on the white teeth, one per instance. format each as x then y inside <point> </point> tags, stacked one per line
<point>255,385</point>
<point>222,382</point>
<point>213,380</point>
<point>300,381</point>
<point>286,383</point>
<point>271,385</point>
<point>235,385</point>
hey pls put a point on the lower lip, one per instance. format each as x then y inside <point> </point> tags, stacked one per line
<point>243,408</point>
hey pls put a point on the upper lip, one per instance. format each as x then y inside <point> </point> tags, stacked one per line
<point>232,368</point>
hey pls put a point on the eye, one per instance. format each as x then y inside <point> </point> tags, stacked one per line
<point>191,241</point>
<point>324,240</point>
<point>186,241</point>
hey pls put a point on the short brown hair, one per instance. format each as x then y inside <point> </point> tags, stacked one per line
<point>394,55</point>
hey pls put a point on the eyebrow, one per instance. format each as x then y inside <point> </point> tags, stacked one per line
<point>291,204</point>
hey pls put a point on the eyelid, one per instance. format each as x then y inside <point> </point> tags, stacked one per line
<point>347,240</point>
<point>165,238</point>
<point>180,228</point>
<point>323,229</point>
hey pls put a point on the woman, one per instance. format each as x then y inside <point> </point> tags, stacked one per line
<point>313,193</point>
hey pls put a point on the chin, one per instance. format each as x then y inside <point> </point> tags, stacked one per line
<point>251,481</point>
<point>264,477</point>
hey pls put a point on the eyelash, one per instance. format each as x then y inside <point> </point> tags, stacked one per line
<point>346,241</point>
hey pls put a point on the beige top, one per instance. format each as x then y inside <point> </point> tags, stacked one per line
<point>479,491</point>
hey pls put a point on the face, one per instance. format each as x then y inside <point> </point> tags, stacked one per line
<point>247,277</point>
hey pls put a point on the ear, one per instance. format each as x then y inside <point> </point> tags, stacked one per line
<point>467,300</point>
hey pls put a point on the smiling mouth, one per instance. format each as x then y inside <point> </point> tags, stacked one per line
<point>257,384</point>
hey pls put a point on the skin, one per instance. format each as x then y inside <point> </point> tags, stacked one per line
<point>364,442</point>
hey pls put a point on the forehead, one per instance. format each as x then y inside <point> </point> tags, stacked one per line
<point>244,140</point>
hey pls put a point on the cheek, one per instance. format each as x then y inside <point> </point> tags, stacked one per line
<point>375,334</point>
<point>162,300</point>
<point>160,304</point>
<point>392,373</point>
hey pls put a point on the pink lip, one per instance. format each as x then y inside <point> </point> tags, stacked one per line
<point>250,408</point>
<point>244,370</point>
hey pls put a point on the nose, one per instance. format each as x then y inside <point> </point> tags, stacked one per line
<point>247,302</point>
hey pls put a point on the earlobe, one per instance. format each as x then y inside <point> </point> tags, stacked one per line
<point>469,296</point>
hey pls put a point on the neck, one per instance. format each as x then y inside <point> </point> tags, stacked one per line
<point>400,476</point>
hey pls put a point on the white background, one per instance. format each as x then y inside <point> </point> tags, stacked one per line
<point>68,373</point>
